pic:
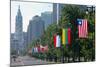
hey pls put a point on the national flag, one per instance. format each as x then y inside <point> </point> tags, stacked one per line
<point>69,36</point>
<point>64,36</point>
<point>42,50</point>
<point>57,41</point>
<point>54,38</point>
<point>82,28</point>
<point>32,50</point>
<point>46,48</point>
<point>41,46</point>
<point>38,48</point>
<point>35,49</point>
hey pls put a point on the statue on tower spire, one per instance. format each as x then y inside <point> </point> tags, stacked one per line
<point>19,12</point>
<point>19,6</point>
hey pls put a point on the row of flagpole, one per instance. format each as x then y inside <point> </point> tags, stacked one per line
<point>38,49</point>
<point>82,32</point>
<point>57,39</point>
<point>62,49</point>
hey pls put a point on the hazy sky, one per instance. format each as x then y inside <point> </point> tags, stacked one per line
<point>28,10</point>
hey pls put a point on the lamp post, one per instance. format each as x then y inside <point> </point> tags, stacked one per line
<point>90,10</point>
<point>90,13</point>
<point>61,48</point>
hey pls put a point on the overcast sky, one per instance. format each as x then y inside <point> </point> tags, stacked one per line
<point>28,10</point>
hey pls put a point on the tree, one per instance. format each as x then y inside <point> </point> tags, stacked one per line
<point>79,47</point>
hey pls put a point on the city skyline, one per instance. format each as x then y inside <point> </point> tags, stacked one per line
<point>50,33</point>
<point>28,13</point>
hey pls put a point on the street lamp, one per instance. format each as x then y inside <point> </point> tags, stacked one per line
<point>90,12</point>
<point>90,9</point>
<point>87,11</point>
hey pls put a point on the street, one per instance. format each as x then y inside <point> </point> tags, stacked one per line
<point>27,60</point>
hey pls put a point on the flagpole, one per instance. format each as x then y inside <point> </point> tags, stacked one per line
<point>57,19</point>
<point>62,49</point>
<point>57,13</point>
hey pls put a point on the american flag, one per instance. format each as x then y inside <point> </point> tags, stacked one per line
<point>82,28</point>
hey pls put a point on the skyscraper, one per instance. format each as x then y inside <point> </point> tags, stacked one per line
<point>35,29</point>
<point>47,17</point>
<point>56,7</point>
<point>19,30</point>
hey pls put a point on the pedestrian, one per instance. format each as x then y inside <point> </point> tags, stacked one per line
<point>14,57</point>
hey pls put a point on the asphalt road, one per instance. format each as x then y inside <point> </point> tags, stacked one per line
<point>26,60</point>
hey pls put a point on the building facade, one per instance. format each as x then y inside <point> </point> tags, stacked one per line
<point>47,17</point>
<point>19,31</point>
<point>57,7</point>
<point>35,29</point>
<point>14,42</point>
